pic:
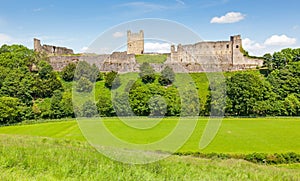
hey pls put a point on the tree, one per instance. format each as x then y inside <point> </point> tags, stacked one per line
<point>281,59</point>
<point>292,105</point>
<point>105,106</point>
<point>121,104</point>
<point>84,85</point>
<point>89,109</point>
<point>244,90</point>
<point>286,80</point>
<point>190,102</point>
<point>216,99</point>
<point>19,85</point>
<point>16,57</point>
<point>112,80</point>
<point>56,106</point>
<point>157,106</point>
<point>147,73</point>
<point>173,101</point>
<point>167,76</point>
<point>68,72</point>
<point>67,105</point>
<point>44,70</point>
<point>140,95</point>
<point>84,69</point>
<point>11,111</point>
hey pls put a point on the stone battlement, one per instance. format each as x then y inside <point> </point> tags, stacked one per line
<point>198,57</point>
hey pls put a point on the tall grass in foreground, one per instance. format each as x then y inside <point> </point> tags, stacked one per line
<point>36,158</point>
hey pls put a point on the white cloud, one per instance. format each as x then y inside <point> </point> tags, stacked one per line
<point>118,34</point>
<point>157,47</point>
<point>5,39</point>
<point>84,49</point>
<point>231,17</point>
<point>280,40</point>
<point>270,45</point>
<point>252,45</point>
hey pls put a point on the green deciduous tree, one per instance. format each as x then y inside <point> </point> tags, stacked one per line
<point>68,72</point>
<point>244,90</point>
<point>84,85</point>
<point>105,106</point>
<point>84,69</point>
<point>121,104</point>
<point>167,76</point>
<point>11,110</point>
<point>112,80</point>
<point>89,109</point>
<point>147,73</point>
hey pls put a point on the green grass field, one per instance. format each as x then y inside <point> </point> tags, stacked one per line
<point>236,135</point>
<point>58,151</point>
<point>151,58</point>
<point>36,158</point>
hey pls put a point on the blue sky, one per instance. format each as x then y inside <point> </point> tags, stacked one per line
<point>265,25</point>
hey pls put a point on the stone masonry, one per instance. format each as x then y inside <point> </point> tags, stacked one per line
<point>198,57</point>
<point>135,42</point>
<point>51,50</point>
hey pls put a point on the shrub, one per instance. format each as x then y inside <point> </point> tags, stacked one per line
<point>84,85</point>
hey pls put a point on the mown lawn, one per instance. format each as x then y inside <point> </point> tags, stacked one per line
<point>236,135</point>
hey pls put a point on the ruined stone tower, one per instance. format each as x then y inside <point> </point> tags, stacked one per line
<point>50,49</point>
<point>236,42</point>
<point>37,45</point>
<point>135,42</point>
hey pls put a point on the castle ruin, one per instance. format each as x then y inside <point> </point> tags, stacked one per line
<point>51,50</point>
<point>135,42</point>
<point>198,57</point>
<point>209,53</point>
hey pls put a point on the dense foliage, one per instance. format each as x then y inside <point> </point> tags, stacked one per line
<point>30,89</point>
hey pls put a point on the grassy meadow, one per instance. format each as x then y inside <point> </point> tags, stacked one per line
<point>236,135</point>
<point>58,150</point>
<point>38,158</point>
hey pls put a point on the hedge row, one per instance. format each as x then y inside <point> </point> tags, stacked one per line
<point>261,158</point>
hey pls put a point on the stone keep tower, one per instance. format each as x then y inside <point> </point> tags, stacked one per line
<point>135,43</point>
<point>236,49</point>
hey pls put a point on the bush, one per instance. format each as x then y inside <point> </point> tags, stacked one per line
<point>167,76</point>
<point>147,73</point>
<point>112,80</point>
<point>89,109</point>
<point>11,110</point>
<point>68,72</point>
<point>84,85</point>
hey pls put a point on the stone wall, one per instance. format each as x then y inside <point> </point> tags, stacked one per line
<point>50,49</point>
<point>219,53</point>
<point>199,57</point>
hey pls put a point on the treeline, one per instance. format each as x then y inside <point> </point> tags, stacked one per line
<point>30,89</point>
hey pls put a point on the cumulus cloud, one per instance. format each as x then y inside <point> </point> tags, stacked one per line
<point>5,39</point>
<point>280,40</point>
<point>270,45</point>
<point>231,17</point>
<point>118,34</point>
<point>252,45</point>
<point>157,47</point>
